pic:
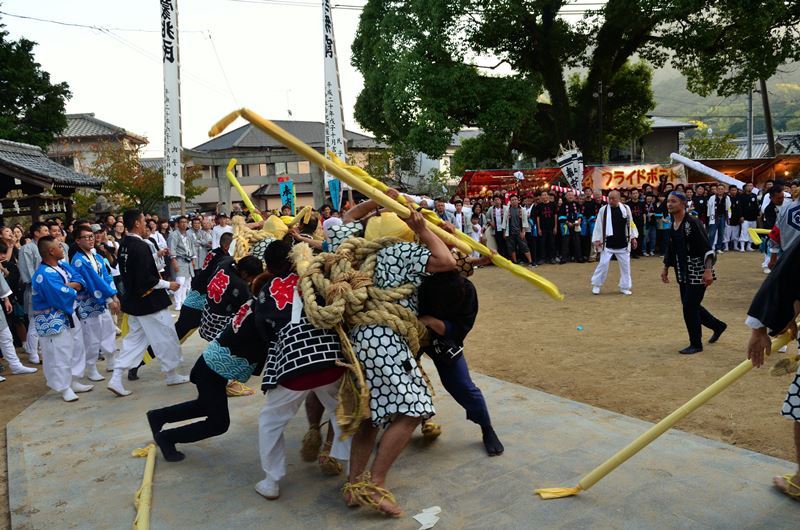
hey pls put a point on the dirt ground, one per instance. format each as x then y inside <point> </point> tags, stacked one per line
<point>626,357</point>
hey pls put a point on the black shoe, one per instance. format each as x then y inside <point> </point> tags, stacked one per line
<point>718,333</point>
<point>101,357</point>
<point>491,442</point>
<point>133,374</point>
<point>168,449</point>
<point>689,350</point>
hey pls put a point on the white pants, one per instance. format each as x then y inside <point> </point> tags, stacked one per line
<point>183,290</point>
<point>732,234</point>
<point>157,330</point>
<point>63,357</point>
<point>96,337</point>
<point>624,260</point>
<point>744,235</point>
<point>7,347</point>
<point>281,406</point>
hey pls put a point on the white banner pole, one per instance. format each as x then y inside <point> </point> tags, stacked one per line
<point>173,168</point>
<point>334,119</point>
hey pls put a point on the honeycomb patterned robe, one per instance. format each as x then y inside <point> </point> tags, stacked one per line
<point>392,374</point>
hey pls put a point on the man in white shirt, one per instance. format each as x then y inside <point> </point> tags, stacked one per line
<point>220,228</point>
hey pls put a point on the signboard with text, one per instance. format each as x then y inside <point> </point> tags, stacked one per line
<point>622,177</point>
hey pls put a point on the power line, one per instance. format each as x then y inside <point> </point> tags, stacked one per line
<point>224,75</point>
<point>89,26</point>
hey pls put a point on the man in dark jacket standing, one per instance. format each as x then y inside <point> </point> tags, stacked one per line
<point>690,253</point>
<point>145,301</point>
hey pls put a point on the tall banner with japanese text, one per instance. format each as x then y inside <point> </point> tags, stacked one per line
<point>334,123</point>
<point>287,191</point>
<point>173,179</point>
<point>622,177</point>
<point>571,163</point>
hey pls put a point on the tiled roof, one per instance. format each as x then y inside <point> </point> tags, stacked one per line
<point>152,163</point>
<point>311,132</point>
<point>87,126</point>
<point>31,160</point>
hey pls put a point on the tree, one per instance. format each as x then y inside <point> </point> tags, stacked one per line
<point>132,185</point>
<point>31,106</point>
<point>482,152</point>
<point>705,144</point>
<point>427,70</point>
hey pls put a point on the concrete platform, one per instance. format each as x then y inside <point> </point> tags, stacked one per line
<point>70,467</point>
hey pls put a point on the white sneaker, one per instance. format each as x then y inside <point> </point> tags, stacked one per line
<point>177,379</point>
<point>80,387</point>
<point>2,378</point>
<point>765,270</point>
<point>595,290</point>
<point>117,388</point>
<point>69,396</point>
<point>268,489</point>
<point>626,292</point>
<point>21,369</point>
<point>94,375</point>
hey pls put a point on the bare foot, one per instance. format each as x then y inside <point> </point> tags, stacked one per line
<point>788,485</point>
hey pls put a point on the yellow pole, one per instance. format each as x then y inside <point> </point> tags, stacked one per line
<point>245,197</point>
<point>754,234</point>
<point>481,249</point>
<point>659,428</point>
<point>144,496</point>
<point>378,196</point>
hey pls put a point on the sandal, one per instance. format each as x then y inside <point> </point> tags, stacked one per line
<point>785,484</point>
<point>329,465</point>
<point>235,389</point>
<point>786,366</point>
<point>312,441</point>
<point>349,496</point>
<point>364,492</point>
<point>431,431</point>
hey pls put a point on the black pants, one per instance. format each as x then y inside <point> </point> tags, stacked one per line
<point>458,383</point>
<point>548,245</point>
<point>531,241</point>
<point>571,243</point>
<point>695,315</point>
<point>188,321</point>
<point>211,402</point>
<point>640,246</point>
<point>500,239</point>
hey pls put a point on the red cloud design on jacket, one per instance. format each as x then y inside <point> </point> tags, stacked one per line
<point>282,290</point>
<point>218,285</point>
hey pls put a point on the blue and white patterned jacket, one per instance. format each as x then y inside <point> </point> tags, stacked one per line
<point>53,300</point>
<point>99,285</point>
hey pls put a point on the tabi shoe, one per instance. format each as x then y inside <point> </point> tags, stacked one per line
<point>174,378</point>
<point>626,292</point>
<point>2,378</point>
<point>133,374</point>
<point>79,388</point>
<point>168,450</point>
<point>115,386</point>
<point>69,396</point>
<point>21,369</point>
<point>595,290</point>
<point>268,489</point>
<point>33,358</point>
<point>718,333</point>
<point>94,375</point>
<point>690,350</point>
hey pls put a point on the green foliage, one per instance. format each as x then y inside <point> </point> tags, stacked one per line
<point>705,144</point>
<point>132,185</point>
<point>482,152</point>
<point>422,82</point>
<point>31,106</point>
<point>435,184</point>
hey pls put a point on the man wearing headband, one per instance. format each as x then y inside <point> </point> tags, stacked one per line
<point>689,252</point>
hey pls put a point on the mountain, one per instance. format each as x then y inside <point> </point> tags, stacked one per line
<point>728,115</point>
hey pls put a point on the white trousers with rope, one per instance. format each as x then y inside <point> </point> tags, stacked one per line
<point>97,336</point>
<point>157,330</point>
<point>63,357</point>
<point>624,260</point>
<point>281,406</point>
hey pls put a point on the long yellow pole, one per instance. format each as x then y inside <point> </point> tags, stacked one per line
<point>543,283</point>
<point>659,428</point>
<point>755,233</point>
<point>245,197</point>
<point>307,152</point>
<point>144,496</point>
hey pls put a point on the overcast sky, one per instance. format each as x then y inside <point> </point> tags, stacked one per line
<point>272,55</point>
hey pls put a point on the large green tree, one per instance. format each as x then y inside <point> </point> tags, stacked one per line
<point>31,105</point>
<point>431,67</point>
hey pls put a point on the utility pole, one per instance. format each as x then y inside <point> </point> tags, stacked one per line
<point>767,118</point>
<point>750,123</point>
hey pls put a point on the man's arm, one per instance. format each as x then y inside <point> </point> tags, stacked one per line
<point>440,260</point>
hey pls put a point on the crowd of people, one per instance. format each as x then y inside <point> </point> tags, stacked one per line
<point>70,290</point>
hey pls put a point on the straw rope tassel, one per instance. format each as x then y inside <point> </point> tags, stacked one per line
<point>143,499</point>
<point>660,428</point>
<point>463,242</point>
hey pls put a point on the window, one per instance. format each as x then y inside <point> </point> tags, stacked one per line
<point>262,170</point>
<point>291,168</point>
<point>245,170</point>
<point>280,168</point>
<point>303,168</point>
